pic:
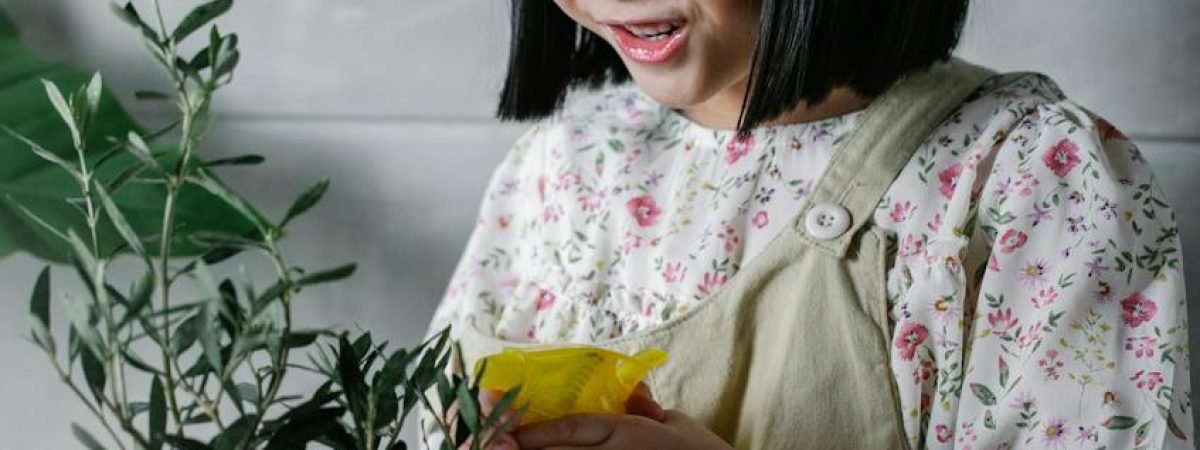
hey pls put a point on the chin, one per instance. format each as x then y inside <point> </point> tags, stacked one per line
<point>669,90</point>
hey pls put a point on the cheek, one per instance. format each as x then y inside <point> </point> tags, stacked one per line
<point>573,10</point>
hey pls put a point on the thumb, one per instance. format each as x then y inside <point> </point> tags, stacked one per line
<point>641,403</point>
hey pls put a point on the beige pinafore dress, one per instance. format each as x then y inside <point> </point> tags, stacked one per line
<point>793,352</point>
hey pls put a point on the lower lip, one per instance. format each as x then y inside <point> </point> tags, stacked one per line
<point>647,51</point>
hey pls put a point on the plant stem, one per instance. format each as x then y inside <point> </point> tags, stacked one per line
<point>66,379</point>
<point>279,361</point>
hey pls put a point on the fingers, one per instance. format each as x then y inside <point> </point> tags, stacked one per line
<point>580,430</point>
<point>642,403</point>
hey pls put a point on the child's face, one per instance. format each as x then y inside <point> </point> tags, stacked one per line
<point>683,53</point>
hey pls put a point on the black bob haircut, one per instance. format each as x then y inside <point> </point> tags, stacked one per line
<point>804,49</point>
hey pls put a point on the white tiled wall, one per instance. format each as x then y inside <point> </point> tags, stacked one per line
<point>392,99</point>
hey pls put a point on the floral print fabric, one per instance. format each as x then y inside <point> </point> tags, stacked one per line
<point>1036,290</point>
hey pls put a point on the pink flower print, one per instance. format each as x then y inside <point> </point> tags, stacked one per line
<point>1044,298</point>
<point>644,209</point>
<point>654,178</point>
<point>1051,365</point>
<point>1012,239</point>
<point>902,211</point>
<point>1062,157</point>
<point>1002,321</point>
<point>711,282</point>
<point>732,238</point>
<point>551,214</point>
<point>567,180</point>
<point>1039,214</point>
<point>993,263</point>
<point>1024,401</point>
<point>1085,435</point>
<point>943,433</point>
<point>673,272</point>
<point>1034,273</point>
<point>761,219</point>
<point>589,203</point>
<point>1096,267</point>
<point>1032,335</point>
<point>1147,380</point>
<point>1142,347</point>
<point>631,242</point>
<point>1137,309</point>
<point>912,245</point>
<point>738,148</point>
<point>1055,432</point>
<point>935,224</point>
<point>949,179</point>
<point>911,336</point>
<point>923,372</point>
<point>545,299</point>
<point>1025,184</point>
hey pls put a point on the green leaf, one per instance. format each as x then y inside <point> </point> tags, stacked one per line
<point>93,371</point>
<point>138,363</point>
<point>351,379</point>
<point>39,304</point>
<point>150,95</point>
<point>304,428</point>
<point>85,438</point>
<point>64,111</point>
<point>118,220</point>
<point>1172,426</point>
<point>468,407</point>
<point>42,186</point>
<point>984,394</point>
<point>158,414</point>
<point>142,292</point>
<point>184,443</point>
<point>236,435</point>
<point>129,14</point>
<point>244,160</point>
<point>199,17</point>
<point>186,333</point>
<point>1120,423</point>
<point>81,321</point>
<point>306,201</point>
<point>327,276</point>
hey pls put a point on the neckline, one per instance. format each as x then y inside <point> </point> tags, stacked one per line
<point>671,113</point>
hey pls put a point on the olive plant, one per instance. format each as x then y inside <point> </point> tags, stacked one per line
<point>214,368</point>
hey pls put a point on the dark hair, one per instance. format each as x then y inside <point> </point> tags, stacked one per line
<point>804,49</point>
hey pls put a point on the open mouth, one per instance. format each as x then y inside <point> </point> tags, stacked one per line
<point>650,42</point>
<point>654,32</point>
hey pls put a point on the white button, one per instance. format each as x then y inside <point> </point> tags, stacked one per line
<point>827,221</point>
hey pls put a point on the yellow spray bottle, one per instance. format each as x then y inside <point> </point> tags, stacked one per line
<point>568,380</point>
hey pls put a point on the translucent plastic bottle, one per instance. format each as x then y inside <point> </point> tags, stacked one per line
<point>568,380</point>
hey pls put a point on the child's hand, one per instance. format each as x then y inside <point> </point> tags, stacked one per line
<point>640,404</point>
<point>676,431</point>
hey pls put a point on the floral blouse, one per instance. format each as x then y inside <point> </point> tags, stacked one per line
<point>1036,291</point>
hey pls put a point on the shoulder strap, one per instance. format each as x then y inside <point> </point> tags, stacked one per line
<point>894,125</point>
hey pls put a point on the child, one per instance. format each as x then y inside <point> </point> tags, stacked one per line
<point>844,237</point>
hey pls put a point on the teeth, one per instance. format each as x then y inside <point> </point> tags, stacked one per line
<point>653,32</point>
